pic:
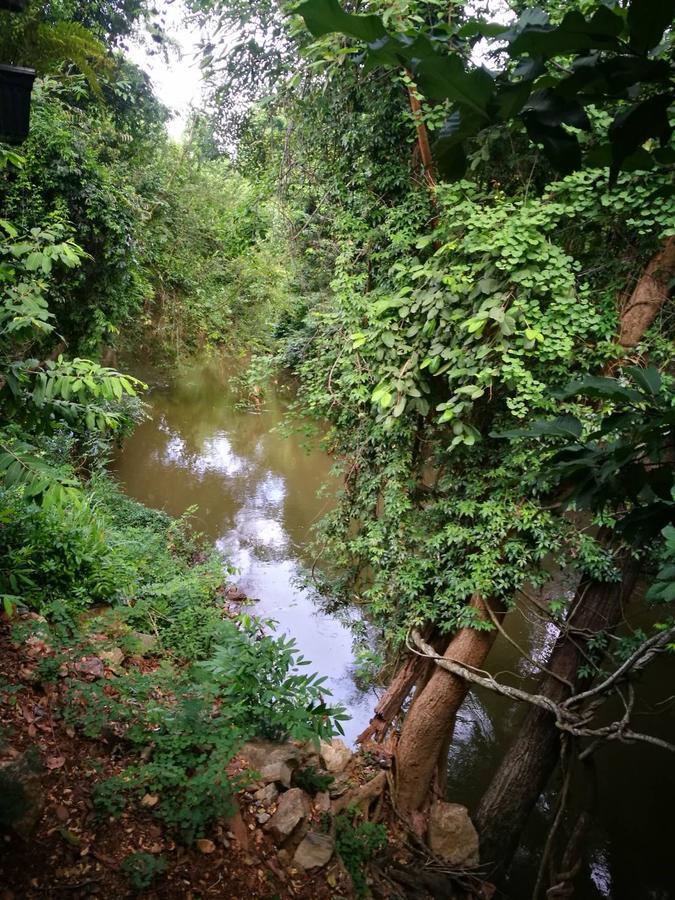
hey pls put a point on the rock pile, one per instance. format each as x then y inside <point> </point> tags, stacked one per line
<point>295,817</point>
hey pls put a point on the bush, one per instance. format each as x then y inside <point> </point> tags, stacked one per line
<point>356,845</point>
<point>142,868</point>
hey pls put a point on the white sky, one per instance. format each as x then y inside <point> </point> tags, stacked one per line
<point>177,83</point>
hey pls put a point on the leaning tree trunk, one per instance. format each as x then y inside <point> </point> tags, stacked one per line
<point>533,756</point>
<point>648,297</point>
<point>430,721</point>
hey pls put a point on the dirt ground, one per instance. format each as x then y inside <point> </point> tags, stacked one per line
<point>70,852</point>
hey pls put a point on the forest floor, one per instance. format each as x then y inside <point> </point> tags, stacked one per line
<point>67,850</point>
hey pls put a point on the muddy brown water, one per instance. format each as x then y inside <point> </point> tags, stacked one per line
<point>257,496</point>
<point>256,493</point>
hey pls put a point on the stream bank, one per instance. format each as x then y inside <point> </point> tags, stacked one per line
<point>256,493</point>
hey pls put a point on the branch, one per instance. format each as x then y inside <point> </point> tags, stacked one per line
<point>637,660</point>
<point>566,719</point>
<point>486,681</point>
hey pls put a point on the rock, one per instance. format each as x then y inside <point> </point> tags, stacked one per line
<point>336,756</point>
<point>235,595</point>
<point>262,818</point>
<point>90,666</point>
<point>204,845</point>
<point>267,794</point>
<point>147,642</point>
<point>322,802</point>
<point>237,829</point>
<point>293,808</point>
<point>340,786</point>
<point>452,834</point>
<point>113,658</point>
<point>314,851</point>
<point>260,754</point>
<point>22,799</point>
<point>278,772</point>
<point>310,754</point>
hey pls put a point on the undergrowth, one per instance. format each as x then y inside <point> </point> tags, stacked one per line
<point>195,683</point>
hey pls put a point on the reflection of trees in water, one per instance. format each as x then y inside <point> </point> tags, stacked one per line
<point>201,449</point>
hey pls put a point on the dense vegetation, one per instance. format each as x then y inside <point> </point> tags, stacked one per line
<point>459,235</point>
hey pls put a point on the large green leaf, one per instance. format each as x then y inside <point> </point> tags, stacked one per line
<point>647,21</point>
<point>445,78</point>
<point>448,149</point>
<point>630,129</point>
<point>561,148</point>
<point>575,34</point>
<point>327,16</point>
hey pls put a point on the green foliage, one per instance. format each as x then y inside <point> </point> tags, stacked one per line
<point>312,781</point>
<point>258,678</point>
<point>357,843</point>
<point>554,72</point>
<point>142,868</point>
<point>55,551</point>
<point>215,252</point>
<point>191,747</point>
<point>101,547</point>
<point>623,463</point>
<point>663,588</point>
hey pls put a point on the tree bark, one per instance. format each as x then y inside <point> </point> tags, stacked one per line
<point>422,139</point>
<point>393,699</point>
<point>430,720</point>
<point>533,756</point>
<point>649,295</point>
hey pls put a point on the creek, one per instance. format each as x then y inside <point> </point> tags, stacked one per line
<point>256,496</point>
<point>256,493</point>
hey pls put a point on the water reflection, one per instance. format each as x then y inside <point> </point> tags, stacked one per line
<point>256,493</point>
<point>629,848</point>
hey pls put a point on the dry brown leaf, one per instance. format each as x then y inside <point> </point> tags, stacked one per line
<point>204,845</point>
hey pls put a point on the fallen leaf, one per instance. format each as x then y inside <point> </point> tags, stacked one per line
<point>204,845</point>
<point>150,800</point>
<point>55,762</point>
<point>62,813</point>
<point>70,837</point>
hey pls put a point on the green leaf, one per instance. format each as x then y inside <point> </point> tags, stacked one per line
<point>648,379</point>
<point>445,78</point>
<point>574,35</point>
<point>647,21</point>
<point>327,16</point>
<point>632,128</point>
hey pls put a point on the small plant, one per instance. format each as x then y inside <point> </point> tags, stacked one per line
<point>357,844</point>
<point>312,781</point>
<point>258,676</point>
<point>143,868</point>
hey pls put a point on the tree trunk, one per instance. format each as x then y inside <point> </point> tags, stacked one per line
<point>533,756</point>
<point>422,139</point>
<point>393,699</point>
<point>649,295</point>
<point>430,720</point>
